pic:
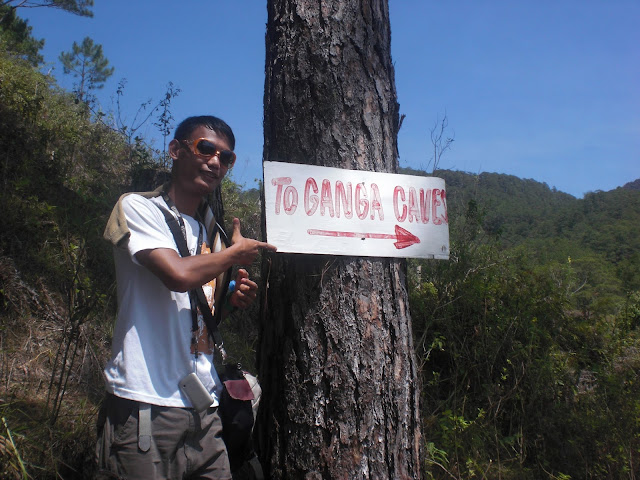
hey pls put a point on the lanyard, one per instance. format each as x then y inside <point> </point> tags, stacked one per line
<point>177,213</point>
<point>192,297</point>
<point>197,296</point>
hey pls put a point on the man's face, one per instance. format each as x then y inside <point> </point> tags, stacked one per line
<point>193,172</point>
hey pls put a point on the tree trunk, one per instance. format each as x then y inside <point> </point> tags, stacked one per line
<point>336,356</point>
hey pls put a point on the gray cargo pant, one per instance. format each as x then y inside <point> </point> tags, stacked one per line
<point>181,443</point>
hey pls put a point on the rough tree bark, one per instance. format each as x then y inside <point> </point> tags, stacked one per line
<point>336,356</point>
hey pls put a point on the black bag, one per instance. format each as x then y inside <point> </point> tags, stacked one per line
<point>238,403</point>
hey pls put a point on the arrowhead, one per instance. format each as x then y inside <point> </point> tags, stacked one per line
<point>405,238</point>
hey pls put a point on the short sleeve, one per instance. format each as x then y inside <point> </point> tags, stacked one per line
<point>147,225</point>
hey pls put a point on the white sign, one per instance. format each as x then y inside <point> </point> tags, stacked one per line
<point>332,211</point>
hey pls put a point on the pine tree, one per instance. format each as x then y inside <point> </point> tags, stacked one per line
<point>336,355</point>
<point>16,38</point>
<point>87,63</point>
<point>77,7</point>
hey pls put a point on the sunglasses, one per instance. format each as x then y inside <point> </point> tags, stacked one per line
<point>206,149</point>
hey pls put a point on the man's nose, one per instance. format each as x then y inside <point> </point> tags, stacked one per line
<point>214,161</point>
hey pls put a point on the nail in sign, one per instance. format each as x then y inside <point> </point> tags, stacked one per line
<point>332,211</point>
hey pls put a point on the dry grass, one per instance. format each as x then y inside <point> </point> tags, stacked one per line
<point>48,407</point>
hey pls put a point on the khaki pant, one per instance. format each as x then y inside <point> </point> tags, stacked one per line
<point>185,444</point>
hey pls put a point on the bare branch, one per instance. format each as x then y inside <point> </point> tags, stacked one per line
<point>440,142</point>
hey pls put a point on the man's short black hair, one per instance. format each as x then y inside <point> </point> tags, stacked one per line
<point>220,127</point>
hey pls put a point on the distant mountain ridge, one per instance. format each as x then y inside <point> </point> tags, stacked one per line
<point>635,185</point>
<point>550,224</point>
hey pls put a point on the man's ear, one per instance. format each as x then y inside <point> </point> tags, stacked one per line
<point>174,147</point>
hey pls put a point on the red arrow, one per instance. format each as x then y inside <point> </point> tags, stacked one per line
<point>403,237</point>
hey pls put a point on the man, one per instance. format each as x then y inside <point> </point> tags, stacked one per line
<point>151,428</point>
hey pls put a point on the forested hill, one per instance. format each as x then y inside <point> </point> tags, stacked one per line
<point>602,226</point>
<point>517,209</point>
<point>635,185</point>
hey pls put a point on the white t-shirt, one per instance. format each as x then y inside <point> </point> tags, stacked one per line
<point>152,341</point>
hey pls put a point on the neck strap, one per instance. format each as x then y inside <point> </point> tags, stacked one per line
<point>197,297</point>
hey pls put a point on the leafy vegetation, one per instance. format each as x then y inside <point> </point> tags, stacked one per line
<point>61,172</point>
<point>528,339</point>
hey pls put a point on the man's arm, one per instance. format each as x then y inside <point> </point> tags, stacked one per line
<point>183,274</point>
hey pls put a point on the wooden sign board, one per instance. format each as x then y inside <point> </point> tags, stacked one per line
<point>332,211</point>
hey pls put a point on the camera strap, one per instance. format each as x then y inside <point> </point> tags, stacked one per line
<point>196,296</point>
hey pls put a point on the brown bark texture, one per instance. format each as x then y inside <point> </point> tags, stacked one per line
<point>336,362</point>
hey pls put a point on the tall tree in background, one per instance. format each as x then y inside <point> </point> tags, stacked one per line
<point>77,7</point>
<point>88,65</point>
<point>336,355</point>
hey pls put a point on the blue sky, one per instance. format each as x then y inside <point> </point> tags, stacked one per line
<point>539,89</point>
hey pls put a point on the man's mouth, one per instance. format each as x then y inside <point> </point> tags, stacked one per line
<point>209,175</point>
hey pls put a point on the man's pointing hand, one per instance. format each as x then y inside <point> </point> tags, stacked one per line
<point>246,249</point>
